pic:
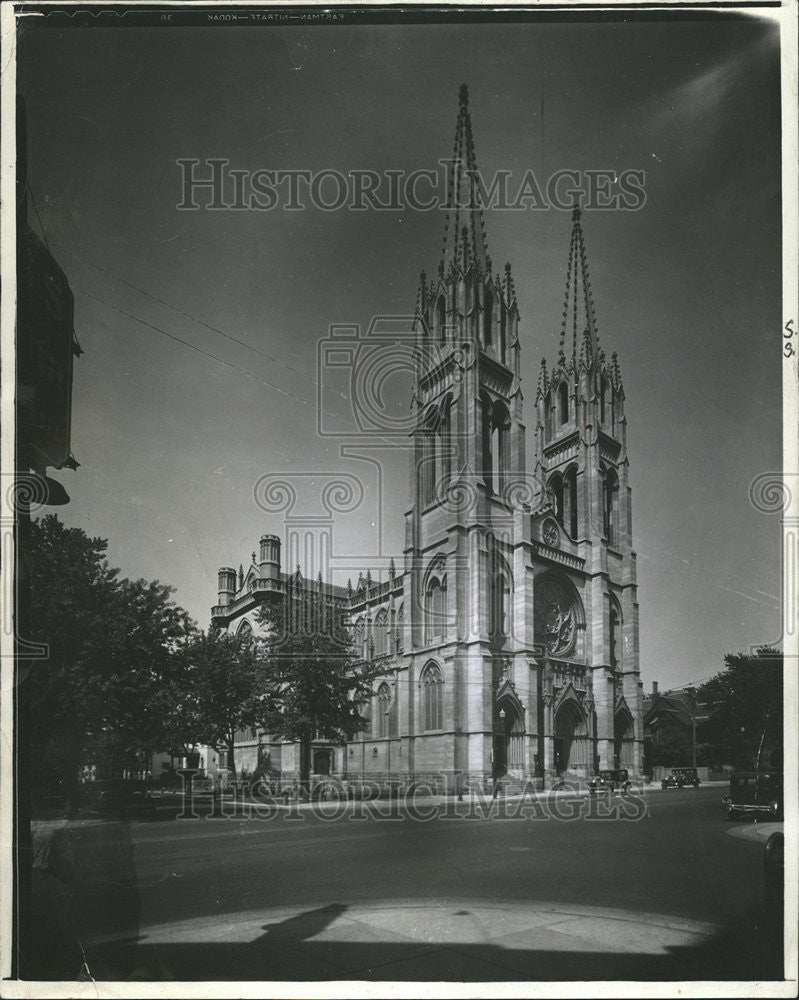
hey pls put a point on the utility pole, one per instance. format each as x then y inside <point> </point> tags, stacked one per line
<point>692,692</point>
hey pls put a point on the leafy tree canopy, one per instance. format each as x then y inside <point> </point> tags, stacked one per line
<point>111,644</point>
<point>744,708</point>
<point>316,683</point>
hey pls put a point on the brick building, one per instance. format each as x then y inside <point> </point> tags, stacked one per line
<point>510,635</point>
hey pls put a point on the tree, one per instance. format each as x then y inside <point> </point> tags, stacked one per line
<point>222,687</point>
<point>744,704</point>
<point>670,746</point>
<point>111,645</point>
<point>316,683</point>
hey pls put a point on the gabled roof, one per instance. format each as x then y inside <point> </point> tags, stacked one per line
<point>671,706</point>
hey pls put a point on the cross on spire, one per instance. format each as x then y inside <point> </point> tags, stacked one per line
<point>578,298</point>
<point>464,239</point>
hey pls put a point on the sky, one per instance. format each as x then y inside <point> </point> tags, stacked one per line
<point>172,442</point>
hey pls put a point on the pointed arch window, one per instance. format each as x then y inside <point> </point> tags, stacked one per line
<point>614,636</point>
<point>486,440</point>
<point>244,630</point>
<point>441,319</point>
<point>500,445</point>
<point>570,520</point>
<point>611,490</point>
<point>432,708</point>
<point>399,638</point>
<point>503,334</point>
<point>488,318</point>
<point>499,606</point>
<point>381,722</point>
<point>381,633</point>
<point>428,472</point>
<point>360,639</point>
<point>556,485</point>
<point>603,394</point>
<point>563,403</point>
<point>446,461</point>
<point>435,607</point>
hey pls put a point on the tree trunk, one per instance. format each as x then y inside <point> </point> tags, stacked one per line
<point>71,750</point>
<point>305,760</point>
<point>232,757</point>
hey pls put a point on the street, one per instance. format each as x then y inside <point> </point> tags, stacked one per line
<point>667,896</point>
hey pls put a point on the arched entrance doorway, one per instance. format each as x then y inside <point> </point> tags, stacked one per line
<point>623,738</point>
<point>570,738</point>
<point>508,739</point>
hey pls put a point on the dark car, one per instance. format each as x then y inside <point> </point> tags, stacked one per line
<point>680,777</point>
<point>119,796</point>
<point>613,780</point>
<point>757,793</point>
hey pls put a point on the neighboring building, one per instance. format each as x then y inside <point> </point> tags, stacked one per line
<point>670,722</point>
<point>510,638</point>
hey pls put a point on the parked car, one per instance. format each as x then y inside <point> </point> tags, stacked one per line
<point>119,796</point>
<point>680,777</point>
<point>613,780</point>
<point>757,793</point>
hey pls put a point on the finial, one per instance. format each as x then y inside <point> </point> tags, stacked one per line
<point>463,96</point>
<point>576,211</point>
<point>391,569</point>
<point>349,586</point>
<point>253,557</point>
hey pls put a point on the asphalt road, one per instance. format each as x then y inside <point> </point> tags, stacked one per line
<point>656,891</point>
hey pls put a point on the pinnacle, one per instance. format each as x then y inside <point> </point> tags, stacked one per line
<point>464,238</point>
<point>578,298</point>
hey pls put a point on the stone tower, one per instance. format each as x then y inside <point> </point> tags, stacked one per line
<point>468,555</point>
<point>581,457</point>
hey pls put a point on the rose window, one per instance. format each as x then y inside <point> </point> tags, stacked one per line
<point>555,619</point>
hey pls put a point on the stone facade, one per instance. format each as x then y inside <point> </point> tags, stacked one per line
<point>510,636</point>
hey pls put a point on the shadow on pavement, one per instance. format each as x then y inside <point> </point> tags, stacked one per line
<point>288,951</point>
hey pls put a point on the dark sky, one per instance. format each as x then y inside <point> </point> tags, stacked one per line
<point>687,289</point>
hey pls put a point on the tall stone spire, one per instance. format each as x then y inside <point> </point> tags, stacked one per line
<point>464,241</point>
<point>579,315</point>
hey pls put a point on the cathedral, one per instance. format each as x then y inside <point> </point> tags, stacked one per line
<point>508,639</point>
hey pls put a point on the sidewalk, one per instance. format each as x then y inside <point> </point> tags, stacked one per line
<point>458,940</point>
<point>759,832</point>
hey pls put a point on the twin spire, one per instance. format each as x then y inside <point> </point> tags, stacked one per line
<point>464,240</point>
<point>464,245</point>
<point>578,304</point>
